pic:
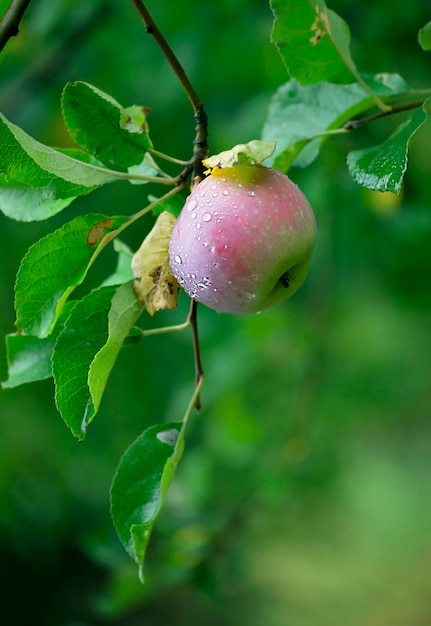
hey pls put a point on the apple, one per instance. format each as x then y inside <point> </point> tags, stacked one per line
<point>243,240</point>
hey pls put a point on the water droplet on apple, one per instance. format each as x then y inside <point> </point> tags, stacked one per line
<point>225,192</point>
<point>206,217</point>
<point>251,193</point>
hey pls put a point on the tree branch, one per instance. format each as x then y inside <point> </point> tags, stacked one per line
<point>9,24</point>
<point>200,145</point>
<point>195,167</point>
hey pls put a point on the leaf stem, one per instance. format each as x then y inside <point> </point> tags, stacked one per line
<point>133,218</point>
<point>9,24</point>
<point>353,124</point>
<point>192,321</point>
<point>147,209</point>
<point>164,329</point>
<point>166,157</point>
<point>163,180</point>
<point>194,401</point>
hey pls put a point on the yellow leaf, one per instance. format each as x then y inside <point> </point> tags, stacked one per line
<point>154,285</point>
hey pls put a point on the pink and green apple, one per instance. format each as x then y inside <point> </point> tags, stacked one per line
<point>244,239</point>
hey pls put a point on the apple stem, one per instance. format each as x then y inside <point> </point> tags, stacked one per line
<point>199,372</point>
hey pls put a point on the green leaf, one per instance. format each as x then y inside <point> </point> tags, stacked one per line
<point>40,181</point>
<point>84,334</point>
<point>382,168</point>
<point>125,310</point>
<point>313,41</point>
<point>123,272</point>
<point>298,115</point>
<point>54,266</point>
<point>147,167</point>
<point>141,483</point>
<point>424,37</point>
<point>29,205</point>
<point>29,359</point>
<point>116,136</point>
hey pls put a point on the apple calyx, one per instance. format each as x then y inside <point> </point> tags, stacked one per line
<point>255,151</point>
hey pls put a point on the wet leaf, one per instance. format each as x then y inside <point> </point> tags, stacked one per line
<point>382,167</point>
<point>298,115</point>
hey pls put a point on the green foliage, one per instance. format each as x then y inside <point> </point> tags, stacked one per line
<point>140,485</point>
<point>79,341</point>
<point>54,266</point>
<point>85,332</point>
<point>53,178</point>
<point>29,359</point>
<point>303,117</point>
<point>382,167</point>
<point>424,37</point>
<point>116,136</point>
<point>124,310</point>
<point>314,42</point>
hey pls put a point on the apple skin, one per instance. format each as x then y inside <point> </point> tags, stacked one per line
<point>243,240</point>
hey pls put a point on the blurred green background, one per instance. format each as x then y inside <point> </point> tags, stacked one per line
<point>304,495</point>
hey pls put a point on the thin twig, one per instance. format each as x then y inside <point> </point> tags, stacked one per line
<point>152,29</point>
<point>353,124</point>
<point>9,24</point>
<point>200,145</point>
<point>199,372</point>
<point>195,167</point>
